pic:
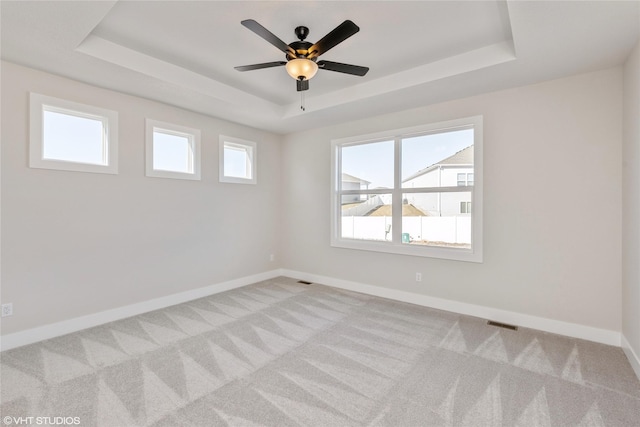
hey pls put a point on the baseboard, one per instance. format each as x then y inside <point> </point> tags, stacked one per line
<point>634,360</point>
<point>53,330</point>
<point>540,323</point>
<point>57,329</point>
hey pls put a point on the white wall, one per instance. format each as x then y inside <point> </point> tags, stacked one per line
<point>631,206</point>
<point>546,251</point>
<point>552,230</point>
<point>80,243</point>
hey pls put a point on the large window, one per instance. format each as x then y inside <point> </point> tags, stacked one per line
<point>410,191</point>
<point>70,136</point>
<point>172,151</point>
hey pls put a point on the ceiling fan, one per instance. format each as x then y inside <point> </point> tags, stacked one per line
<point>302,56</point>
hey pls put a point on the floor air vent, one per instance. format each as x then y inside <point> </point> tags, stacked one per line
<point>502,325</point>
<point>304,282</point>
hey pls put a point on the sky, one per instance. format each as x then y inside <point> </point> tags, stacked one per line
<point>176,152</point>
<point>61,138</point>
<point>374,162</point>
<point>235,163</point>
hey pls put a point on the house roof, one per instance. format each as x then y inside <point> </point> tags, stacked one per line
<point>350,178</point>
<point>463,157</point>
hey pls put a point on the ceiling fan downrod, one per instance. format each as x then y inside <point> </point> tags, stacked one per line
<point>301,32</point>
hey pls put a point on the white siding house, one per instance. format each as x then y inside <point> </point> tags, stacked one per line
<point>453,171</point>
<point>350,182</point>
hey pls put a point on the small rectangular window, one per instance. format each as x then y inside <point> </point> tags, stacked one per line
<point>66,135</point>
<point>237,160</point>
<point>172,151</point>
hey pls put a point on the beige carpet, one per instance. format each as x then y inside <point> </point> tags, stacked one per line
<point>280,353</point>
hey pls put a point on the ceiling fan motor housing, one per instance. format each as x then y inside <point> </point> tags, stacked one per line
<point>301,48</point>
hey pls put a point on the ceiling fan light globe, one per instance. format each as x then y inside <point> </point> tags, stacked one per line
<point>301,67</point>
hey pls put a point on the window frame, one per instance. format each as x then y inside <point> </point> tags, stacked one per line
<point>39,103</point>
<point>192,134</point>
<point>252,159</point>
<point>395,246</point>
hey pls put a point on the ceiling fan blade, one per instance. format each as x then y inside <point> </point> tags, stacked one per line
<point>336,36</point>
<point>356,70</point>
<point>260,66</point>
<point>268,36</point>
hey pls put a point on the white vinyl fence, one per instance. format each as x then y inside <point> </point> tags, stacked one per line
<point>450,229</point>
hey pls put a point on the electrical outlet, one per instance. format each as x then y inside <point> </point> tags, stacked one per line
<point>272,257</point>
<point>7,309</point>
<point>418,277</point>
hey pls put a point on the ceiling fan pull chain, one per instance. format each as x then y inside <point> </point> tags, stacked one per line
<point>302,101</point>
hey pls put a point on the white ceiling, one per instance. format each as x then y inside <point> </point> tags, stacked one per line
<point>419,52</point>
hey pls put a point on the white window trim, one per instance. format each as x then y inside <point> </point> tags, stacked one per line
<point>169,128</point>
<point>240,143</point>
<point>37,104</point>
<point>396,247</point>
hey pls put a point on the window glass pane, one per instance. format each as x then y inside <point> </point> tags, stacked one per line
<point>435,160</point>
<point>73,138</point>
<point>366,217</point>
<point>367,166</point>
<point>237,161</point>
<point>434,219</point>
<point>172,152</point>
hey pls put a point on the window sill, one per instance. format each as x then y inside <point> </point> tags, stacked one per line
<point>455,254</point>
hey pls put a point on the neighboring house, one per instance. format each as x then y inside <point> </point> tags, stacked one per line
<point>453,171</point>
<point>350,182</point>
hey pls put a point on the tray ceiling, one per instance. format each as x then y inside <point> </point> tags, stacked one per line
<point>418,52</point>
